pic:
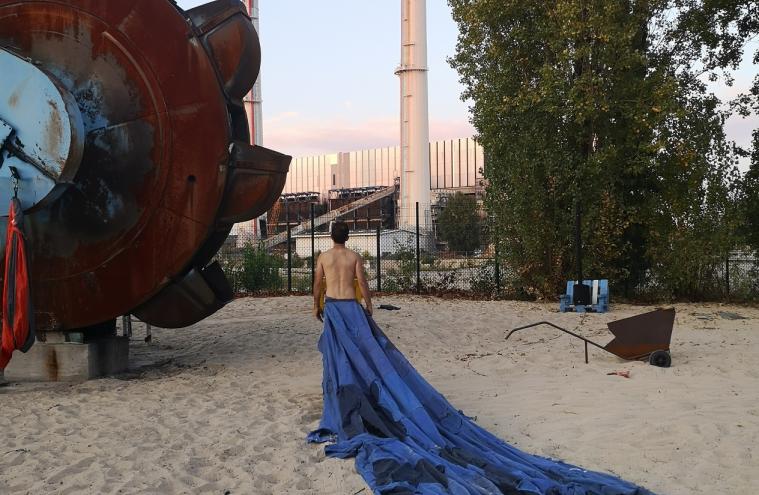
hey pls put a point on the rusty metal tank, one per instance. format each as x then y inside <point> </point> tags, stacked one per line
<point>124,124</point>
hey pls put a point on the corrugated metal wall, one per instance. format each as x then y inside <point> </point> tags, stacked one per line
<point>454,164</point>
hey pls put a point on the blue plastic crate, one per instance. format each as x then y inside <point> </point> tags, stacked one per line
<point>599,292</point>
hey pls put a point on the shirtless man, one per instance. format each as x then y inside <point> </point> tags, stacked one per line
<point>340,266</point>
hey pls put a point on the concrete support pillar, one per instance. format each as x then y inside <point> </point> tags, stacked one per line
<point>70,358</point>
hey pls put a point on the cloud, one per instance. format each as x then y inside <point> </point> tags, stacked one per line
<point>449,129</point>
<point>297,135</point>
<point>302,136</point>
<point>740,129</point>
<point>284,116</point>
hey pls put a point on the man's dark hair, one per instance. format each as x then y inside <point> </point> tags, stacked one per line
<point>339,232</point>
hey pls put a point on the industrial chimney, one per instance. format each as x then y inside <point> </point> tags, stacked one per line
<point>250,231</point>
<point>415,133</point>
<point>253,100</point>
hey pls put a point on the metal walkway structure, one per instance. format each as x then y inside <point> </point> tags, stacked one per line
<point>328,217</point>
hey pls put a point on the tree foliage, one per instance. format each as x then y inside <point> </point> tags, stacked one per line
<point>260,270</point>
<point>750,203</point>
<point>605,102</point>
<point>460,225</point>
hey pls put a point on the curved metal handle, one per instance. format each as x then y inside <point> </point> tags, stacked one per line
<point>561,329</point>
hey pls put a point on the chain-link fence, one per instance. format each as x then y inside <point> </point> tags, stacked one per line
<point>429,254</point>
<point>420,253</point>
<point>741,276</point>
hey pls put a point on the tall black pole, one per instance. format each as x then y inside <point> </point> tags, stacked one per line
<point>379,260</point>
<point>578,237</point>
<point>727,275</point>
<point>313,242</point>
<point>497,270</point>
<point>289,260</point>
<point>287,213</point>
<point>289,252</point>
<point>418,255</point>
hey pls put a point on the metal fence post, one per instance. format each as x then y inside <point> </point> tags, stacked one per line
<point>418,255</point>
<point>379,261</point>
<point>727,275</point>
<point>289,260</point>
<point>313,248</point>
<point>497,271</point>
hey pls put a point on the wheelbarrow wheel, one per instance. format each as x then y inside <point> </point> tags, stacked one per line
<point>662,359</point>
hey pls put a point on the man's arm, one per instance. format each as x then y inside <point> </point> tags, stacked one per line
<point>318,281</point>
<point>361,276</point>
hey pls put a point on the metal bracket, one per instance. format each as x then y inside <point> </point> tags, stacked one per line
<point>5,132</point>
<point>15,179</point>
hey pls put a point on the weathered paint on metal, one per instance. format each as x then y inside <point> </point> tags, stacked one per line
<point>158,109</point>
<point>227,32</point>
<point>47,136</point>
<point>638,336</point>
<point>257,173</point>
<point>5,132</point>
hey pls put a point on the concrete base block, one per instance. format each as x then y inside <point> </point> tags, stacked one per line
<point>68,361</point>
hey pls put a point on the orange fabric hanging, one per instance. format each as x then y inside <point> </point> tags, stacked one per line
<point>18,328</point>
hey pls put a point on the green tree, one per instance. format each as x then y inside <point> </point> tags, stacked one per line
<point>459,223</point>
<point>750,203</point>
<point>602,103</point>
<point>260,270</point>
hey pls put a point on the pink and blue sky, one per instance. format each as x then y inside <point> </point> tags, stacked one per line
<point>328,81</point>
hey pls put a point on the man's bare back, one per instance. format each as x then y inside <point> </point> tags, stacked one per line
<point>340,266</point>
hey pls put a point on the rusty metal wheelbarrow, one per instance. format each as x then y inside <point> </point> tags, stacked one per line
<point>645,336</point>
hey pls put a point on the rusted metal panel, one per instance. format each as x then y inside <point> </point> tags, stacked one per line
<point>638,336</point>
<point>228,34</point>
<point>258,173</point>
<point>158,118</point>
<point>199,294</point>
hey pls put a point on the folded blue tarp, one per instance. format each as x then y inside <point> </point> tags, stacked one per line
<point>407,438</point>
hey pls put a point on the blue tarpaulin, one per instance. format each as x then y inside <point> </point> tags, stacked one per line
<point>406,437</point>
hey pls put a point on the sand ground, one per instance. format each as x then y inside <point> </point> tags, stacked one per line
<point>224,406</point>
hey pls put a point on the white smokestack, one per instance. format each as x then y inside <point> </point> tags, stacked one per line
<point>248,231</point>
<point>253,100</point>
<point>415,133</point>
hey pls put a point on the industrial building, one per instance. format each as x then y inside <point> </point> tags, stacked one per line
<point>455,165</point>
<point>373,188</point>
<point>335,180</point>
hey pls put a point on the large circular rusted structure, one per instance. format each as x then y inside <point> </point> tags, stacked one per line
<point>125,123</point>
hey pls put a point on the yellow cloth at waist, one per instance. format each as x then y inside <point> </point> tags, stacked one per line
<point>323,295</point>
